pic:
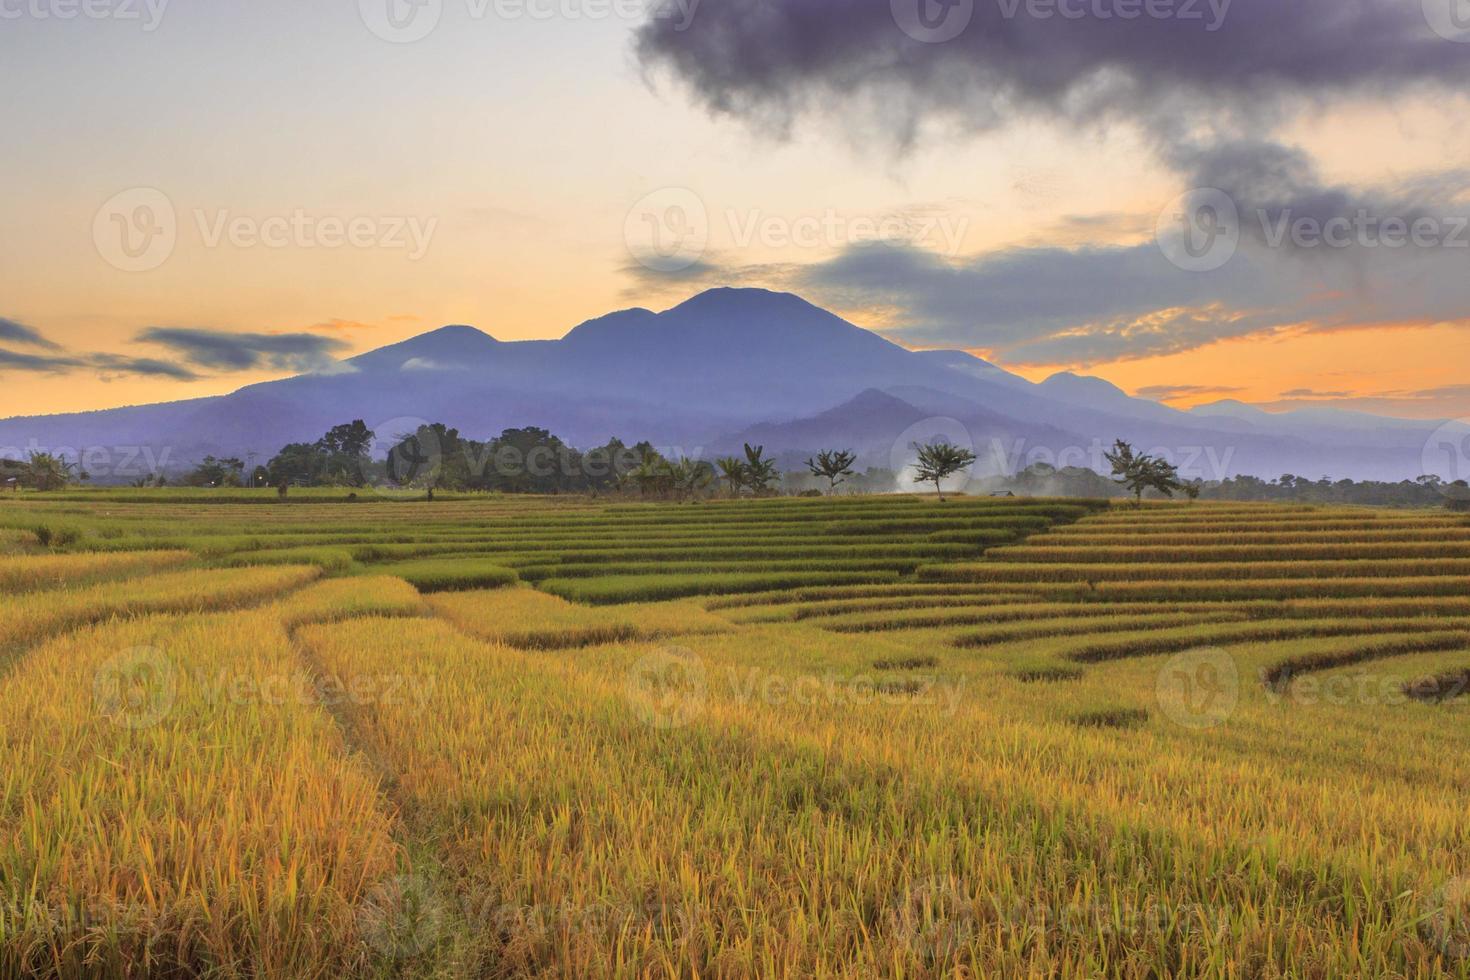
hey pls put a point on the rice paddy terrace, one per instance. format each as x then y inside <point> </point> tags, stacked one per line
<point>872,736</point>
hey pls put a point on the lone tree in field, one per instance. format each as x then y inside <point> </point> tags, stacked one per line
<point>1140,471</point>
<point>833,465</point>
<point>938,461</point>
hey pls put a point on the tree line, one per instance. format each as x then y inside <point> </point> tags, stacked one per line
<point>534,461</point>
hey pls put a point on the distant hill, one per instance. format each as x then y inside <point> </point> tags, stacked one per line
<point>727,366</point>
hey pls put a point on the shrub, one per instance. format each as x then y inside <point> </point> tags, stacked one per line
<point>60,537</point>
<point>1437,690</point>
<point>1111,718</point>
<point>907,663</point>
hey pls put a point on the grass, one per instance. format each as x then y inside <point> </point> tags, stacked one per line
<point>651,587</point>
<point>175,827</point>
<point>792,738</point>
<point>446,575</point>
<point>534,620</point>
<point>32,573</point>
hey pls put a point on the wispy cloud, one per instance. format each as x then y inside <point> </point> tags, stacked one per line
<point>1166,393</point>
<point>221,350</point>
<point>1313,394</point>
<point>105,365</point>
<point>14,332</point>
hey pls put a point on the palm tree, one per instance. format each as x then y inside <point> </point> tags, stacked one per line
<point>48,472</point>
<point>760,472</point>
<point>690,476</point>
<point>652,474</point>
<point>732,470</point>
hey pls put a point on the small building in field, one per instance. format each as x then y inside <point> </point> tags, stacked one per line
<point>1001,493</point>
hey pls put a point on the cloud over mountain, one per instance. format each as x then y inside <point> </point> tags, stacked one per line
<point>222,350</point>
<point>1212,85</point>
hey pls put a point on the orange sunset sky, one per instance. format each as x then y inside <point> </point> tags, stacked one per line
<point>527,152</point>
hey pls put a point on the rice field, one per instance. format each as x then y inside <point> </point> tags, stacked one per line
<point>842,737</point>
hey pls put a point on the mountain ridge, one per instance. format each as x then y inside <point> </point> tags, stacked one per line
<point>723,363</point>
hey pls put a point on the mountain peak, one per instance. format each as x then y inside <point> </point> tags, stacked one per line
<point>447,346</point>
<point>1082,383</point>
<point>456,332</point>
<point>738,299</point>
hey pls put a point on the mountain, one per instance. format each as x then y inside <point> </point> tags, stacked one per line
<point>725,367</point>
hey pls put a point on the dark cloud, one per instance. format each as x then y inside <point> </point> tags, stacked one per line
<point>221,350</point>
<point>772,61</point>
<point>1094,305</point>
<point>19,333</point>
<point>1209,99</point>
<point>1054,305</point>
<point>117,364</point>
<point>1284,204</point>
<point>1008,298</point>
<point>105,365</point>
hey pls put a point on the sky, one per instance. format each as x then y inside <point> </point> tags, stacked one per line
<point>1195,199</point>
